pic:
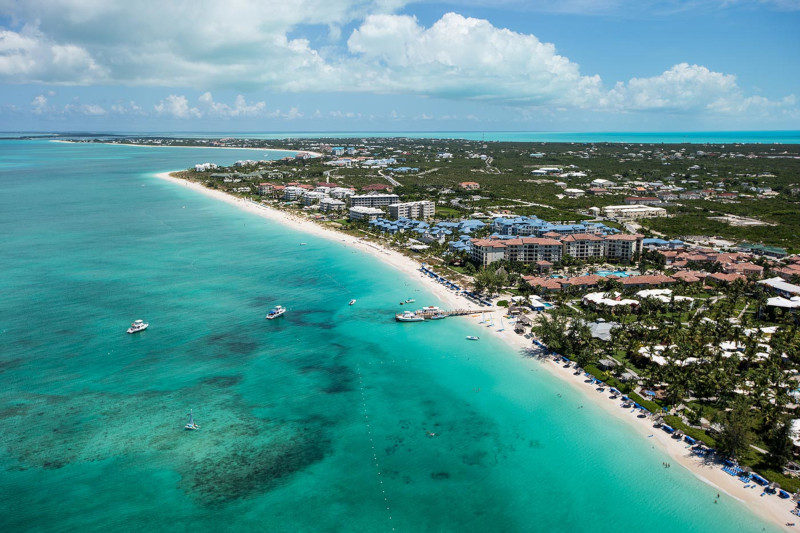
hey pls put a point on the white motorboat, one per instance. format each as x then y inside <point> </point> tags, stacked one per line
<point>191,424</point>
<point>137,326</point>
<point>408,316</point>
<point>472,338</point>
<point>353,301</point>
<point>275,312</point>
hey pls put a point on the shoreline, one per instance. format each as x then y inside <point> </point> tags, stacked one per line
<point>770,508</point>
<point>312,154</point>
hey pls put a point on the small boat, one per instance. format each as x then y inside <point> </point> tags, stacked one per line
<point>437,316</point>
<point>275,312</point>
<point>409,301</point>
<point>502,327</point>
<point>408,316</point>
<point>191,424</point>
<point>137,326</point>
<point>303,244</point>
<point>352,301</point>
<point>472,338</point>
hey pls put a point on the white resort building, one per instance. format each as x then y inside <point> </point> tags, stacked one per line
<point>630,212</point>
<point>365,213</point>
<point>417,210</point>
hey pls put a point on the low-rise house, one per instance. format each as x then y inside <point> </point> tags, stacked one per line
<point>781,287</point>
<point>470,185</point>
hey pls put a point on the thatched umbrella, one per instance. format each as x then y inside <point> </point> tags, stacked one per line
<point>747,470</point>
<point>774,486</point>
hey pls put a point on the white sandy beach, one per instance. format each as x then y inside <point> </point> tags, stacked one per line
<point>312,154</point>
<point>770,507</point>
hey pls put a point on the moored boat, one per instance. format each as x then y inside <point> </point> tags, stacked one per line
<point>408,316</point>
<point>275,312</point>
<point>437,316</point>
<point>137,326</point>
<point>472,338</point>
<point>191,424</point>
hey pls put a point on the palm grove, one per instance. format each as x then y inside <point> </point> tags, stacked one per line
<point>735,399</point>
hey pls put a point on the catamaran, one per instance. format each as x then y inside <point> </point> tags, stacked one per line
<point>502,326</point>
<point>191,424</point>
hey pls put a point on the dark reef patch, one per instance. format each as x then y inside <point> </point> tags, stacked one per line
<point>249,469</point>
<point>242,347</point>
<point>223,381</point>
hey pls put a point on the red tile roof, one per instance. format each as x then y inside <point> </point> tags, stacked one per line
<point>581,237</point>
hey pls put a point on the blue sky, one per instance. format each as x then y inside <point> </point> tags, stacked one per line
<point>396,65</point>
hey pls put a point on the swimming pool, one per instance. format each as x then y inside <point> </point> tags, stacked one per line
<point>618,273</point>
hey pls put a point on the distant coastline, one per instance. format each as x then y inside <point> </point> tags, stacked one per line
<point>675,137</point>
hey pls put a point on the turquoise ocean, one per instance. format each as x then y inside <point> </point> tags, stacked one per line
<point>318,421</point>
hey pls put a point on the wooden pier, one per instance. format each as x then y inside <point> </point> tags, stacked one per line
<point>428,313</point>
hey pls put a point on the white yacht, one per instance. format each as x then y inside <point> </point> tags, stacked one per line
<point>275,312</point>
<point>137,326</point>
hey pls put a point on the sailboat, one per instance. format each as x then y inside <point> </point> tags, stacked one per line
<point>502,326</point>
<point>490,322</point>
<point>191,424</point>
<point>483,319</point>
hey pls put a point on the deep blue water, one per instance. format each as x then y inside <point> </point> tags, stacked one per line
<point>317,421</point>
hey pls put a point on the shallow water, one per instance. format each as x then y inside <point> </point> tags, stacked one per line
<point>320,420</point>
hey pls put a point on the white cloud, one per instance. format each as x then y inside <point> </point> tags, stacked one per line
<point>39,105</point>
<point>177,107</point>
<point>688,88</point>
<point>29,56</point>
<point>240,108</point>
<point>85,109</point>
<point>249,45</point>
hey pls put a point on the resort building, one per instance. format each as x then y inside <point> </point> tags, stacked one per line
<point>373,200</point>
<point>469,185</point>
<point>265,188</point>
<point>630,212</point>
<point>330,205</point>
<point>292,193</point>
<point>583,246</point>
<point>623,247</point>
<point>522,249</point>
<point>313,197</point>
<point>422,209</point>
<point>642,200</point>
<point>487,251</point>
<point>365,213</point>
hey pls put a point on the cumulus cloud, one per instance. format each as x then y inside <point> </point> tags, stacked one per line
<point>464,57</point>
<point>29,56</point>
<point>240,107</point>
<point>254,46</point>
<point>39,105</point>
<point>177,107</point>
<point>688,88</point>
